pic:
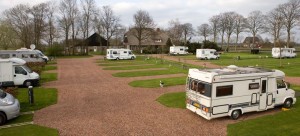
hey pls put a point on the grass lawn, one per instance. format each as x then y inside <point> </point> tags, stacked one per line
<point>28,130</point>
<point>43,97</point>
<point>47,77</point>
<point>135,67</point>
<point>285,123</point>
<point>152,83</point>
<point>20,119</point>
<point>52,62</point>
<point>289,66</point>
<point>123,63</point>
<point>173,100</point>
<point>49,67</point>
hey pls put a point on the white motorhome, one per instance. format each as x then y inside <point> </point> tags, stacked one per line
<point>233,91</point>
<point>117,54</point>
<point>46,59</point>
<point>283,53</point>
<point>28,56</point>
<point>178,50</point>
<point>14,72</point>
<point>207,54</point>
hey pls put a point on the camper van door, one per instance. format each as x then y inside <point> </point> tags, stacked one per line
<point>263,94</point>
<point>20,75</point>
<point>124,54</point>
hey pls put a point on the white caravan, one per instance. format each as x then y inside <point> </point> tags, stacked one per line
<point>46,59</point>
<point>14,72</point>
<point>178,50</point>
<point>207,54</point>
<point>233,91</point>
<point>28,56</point>
<point>285,53</point>
<point>117,54</point>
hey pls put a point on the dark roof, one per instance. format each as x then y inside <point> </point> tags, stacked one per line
<point>94,40</point>
<point>249,40</point>
<point>156,37</point>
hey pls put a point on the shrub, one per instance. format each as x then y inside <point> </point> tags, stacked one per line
<point>55,50</point>
<point>12,90</point>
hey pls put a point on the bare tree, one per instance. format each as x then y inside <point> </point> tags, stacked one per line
<point>204,30</point>
<point>7,36</point>
<point>67,8</point>
<point>214,23</point>
<point>255,23</point>
<point>89,8</point>
<point>188,31</point>
<point>230,18</point>
<point>291,13</point>
<point>239,27</point>
<point>222,28</point>
<point>275,24</point>
<point>143,25</point>
<point>51,30</point>
<point>18,17</point>
<point>39,13</point>
<point>175,31</point>
<point>110,22</point>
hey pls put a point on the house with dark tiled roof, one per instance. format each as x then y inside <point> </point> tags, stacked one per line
<point>94,43</point>
<point>154,38</point>
<point>249,41</point>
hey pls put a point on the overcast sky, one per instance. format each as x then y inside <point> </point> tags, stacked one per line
<point>162,11</point>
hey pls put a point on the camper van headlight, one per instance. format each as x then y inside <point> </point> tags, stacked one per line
<point>6,101</point>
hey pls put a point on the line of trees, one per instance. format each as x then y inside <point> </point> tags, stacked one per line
<point>68,21</point>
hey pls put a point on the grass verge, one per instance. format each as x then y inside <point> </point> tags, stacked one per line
<point>28,130</point>
<point>152,83</point>
<point>20,119</point>
<point>148,73</point>
<point>173,100</point>
<point>49,67</point>
<point>134,67</point>
<point>47,77</point>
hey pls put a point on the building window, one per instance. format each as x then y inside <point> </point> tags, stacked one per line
<point>224,90</point>
<point>158,40</point>
<point>253,86</point>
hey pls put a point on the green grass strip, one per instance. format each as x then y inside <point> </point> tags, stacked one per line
<point>47,77</point>
<point>153,83</point>
<point>28,130</point>
<point>43,97</point>
<point>50,67</point>
<point>173,100</point>
<point>20,119</point>
<point>134,67</point>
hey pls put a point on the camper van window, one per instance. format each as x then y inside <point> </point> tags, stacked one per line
<point>181,49</point>
<point>13,55</point>
<point>20,70</point>
<point>211,52</point>
<point>200,87</point>
<point>130,52</point>
<point>115,52</point>
<point>27,69</point>
<point>4,56</point>
<point>125,52</point>
<point>280,84</point>
<point>253,86</point>
<point>224,90</point>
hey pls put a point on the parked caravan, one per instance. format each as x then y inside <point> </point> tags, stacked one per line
<point>28,56</point>
<point>14,72</point>
<point>44,57</point>
<point>207,54</point>
<point>9,107</point>
<point>285,53</point>
<point>117,54</point>
<point>233,91</point>
<point>178,50</point>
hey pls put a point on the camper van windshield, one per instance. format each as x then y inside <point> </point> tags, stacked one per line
<point>200,87</point>
<point>27,69</point>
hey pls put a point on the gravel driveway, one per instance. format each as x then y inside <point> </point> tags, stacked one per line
<point>93,102</point>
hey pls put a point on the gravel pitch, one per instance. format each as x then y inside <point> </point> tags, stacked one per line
<point>93,102</point>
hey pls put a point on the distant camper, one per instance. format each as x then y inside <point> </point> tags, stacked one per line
<point>178,50</point>
<point>207,54</point>
<point>28,56</point>
<point>285,53</point>
<point>118,54</point>
<point>37,51</point>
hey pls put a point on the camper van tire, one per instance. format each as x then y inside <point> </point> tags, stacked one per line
<point>27,83</point>
<point>132,58</point>
<point>288,103</point>
<point>2,118</point>
<point>235,114</point>
<point>117,58</point>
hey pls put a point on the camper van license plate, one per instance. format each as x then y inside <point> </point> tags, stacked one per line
<point>196,105</point>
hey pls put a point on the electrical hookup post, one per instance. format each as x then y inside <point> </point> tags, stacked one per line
<point>30,95</point>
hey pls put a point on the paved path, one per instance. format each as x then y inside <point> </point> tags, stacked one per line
<point>93,102</point>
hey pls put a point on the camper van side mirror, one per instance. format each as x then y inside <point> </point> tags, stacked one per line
<point>24,73</point>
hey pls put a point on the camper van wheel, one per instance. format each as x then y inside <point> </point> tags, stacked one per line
<point>217,58</point>
<point>288,103</point>
<point>2,118</point>
<point>132,58</point>
<point>27,83</point>
<point>117,58</point>
<point>206,58</point>
<point>235,114</point>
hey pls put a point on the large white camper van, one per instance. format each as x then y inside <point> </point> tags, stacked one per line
<point>117,54</point>
<point>14,72</point>
<point>283,53</point>
<point>44,57</point>
<point>207,54</point>
<point>28,56</point>
<point>178,50</point>
<point>233,91</point>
